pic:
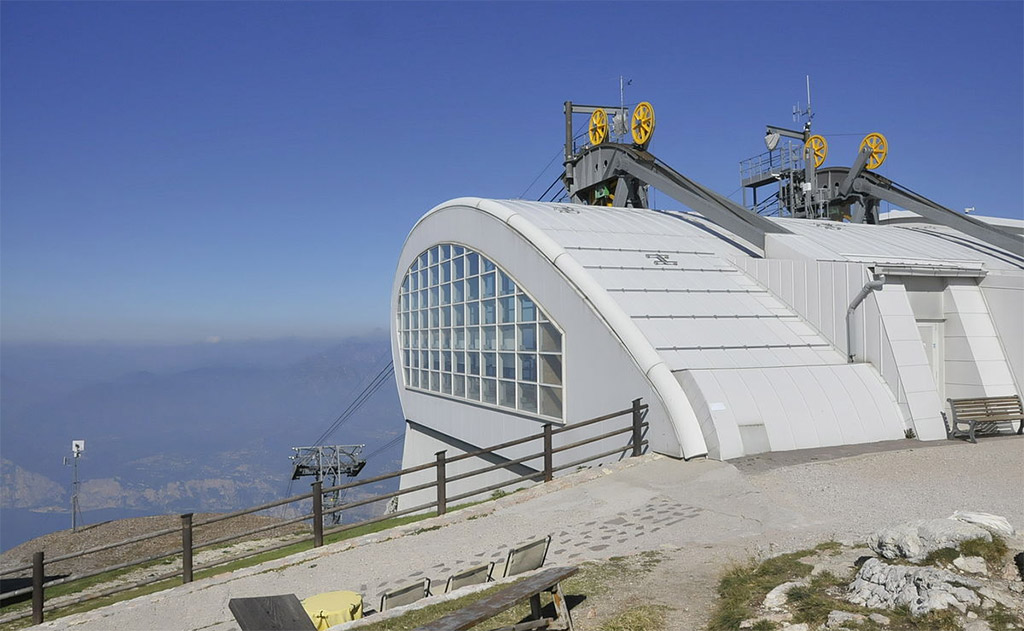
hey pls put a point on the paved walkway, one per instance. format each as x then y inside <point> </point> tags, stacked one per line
<point>768,503</point>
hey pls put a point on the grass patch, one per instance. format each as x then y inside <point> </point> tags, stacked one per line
<point>743,587</point>
<point>640,618</point>
<point>992,551</point>
<point>812,604</point>
<point>1002,619</point>
<point>940,557</point>
<point>945,620</point>
<point>832,547</point>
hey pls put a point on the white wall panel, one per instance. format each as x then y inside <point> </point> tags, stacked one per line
<point>1004,295</point>
<point>799,407</point>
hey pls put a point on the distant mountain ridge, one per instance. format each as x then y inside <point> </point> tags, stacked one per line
<point>208,434</point>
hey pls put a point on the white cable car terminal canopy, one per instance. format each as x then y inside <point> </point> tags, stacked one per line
<point>741,346</point>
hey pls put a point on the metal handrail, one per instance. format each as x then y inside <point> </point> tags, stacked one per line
<point>439,504</point>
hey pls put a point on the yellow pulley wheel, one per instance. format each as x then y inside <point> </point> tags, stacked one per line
<point>818,147</point>
<point>598,127</point>
<point>643,123</point>
<point>879,150</point>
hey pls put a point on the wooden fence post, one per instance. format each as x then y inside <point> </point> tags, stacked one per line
<point>37,587</point>
<point>637,428</point>
<point>548,456</point>
<point>318,514</point>
<point>442,499</point>
<point>186,548</point>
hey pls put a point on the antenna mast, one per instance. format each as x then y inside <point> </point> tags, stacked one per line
<point>77,447</point>
<point>810,114</point>
<point>797,112</point>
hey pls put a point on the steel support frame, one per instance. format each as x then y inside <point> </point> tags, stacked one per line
<point>944,216</point>
<point>611,161</point>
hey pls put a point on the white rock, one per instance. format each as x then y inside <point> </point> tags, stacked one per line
<point>915,540</point>
<point>970,614</point>
<point>1001,597</point>
<point>778,597</point>
<point>878,618</point>
<point>977,625</point>
<point>922,589</point>
<point>746,624</point>
<point>796,627</point>
<point>971,565</point>
<point>839,618</point>
<point>993,523</point>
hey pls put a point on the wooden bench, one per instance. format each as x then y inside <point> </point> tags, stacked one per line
<point>530,587</point>
<point>981,411</point>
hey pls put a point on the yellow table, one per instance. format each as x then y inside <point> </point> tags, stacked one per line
<point>331,608</point>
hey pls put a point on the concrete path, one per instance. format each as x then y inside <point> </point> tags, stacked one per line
<point>764,504</point>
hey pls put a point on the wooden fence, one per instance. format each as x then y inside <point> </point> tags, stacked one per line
<point>439,504</point>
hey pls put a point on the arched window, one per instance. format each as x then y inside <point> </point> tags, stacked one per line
<point>468,331</point>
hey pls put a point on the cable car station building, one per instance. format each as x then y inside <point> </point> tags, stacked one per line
<point>743,333</point>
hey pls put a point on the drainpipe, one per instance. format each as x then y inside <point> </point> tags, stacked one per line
<point>872,285</point>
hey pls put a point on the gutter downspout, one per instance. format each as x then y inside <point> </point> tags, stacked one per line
<point>872,285</point>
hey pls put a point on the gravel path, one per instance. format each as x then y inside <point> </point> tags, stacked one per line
<point>702,514</point>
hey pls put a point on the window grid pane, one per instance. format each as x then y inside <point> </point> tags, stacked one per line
<point>467,330</point>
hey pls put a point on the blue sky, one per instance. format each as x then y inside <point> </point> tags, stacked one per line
<point>173,172</point>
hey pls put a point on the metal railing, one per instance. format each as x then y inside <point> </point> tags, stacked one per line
<point>439,504</point>
<point>788,156</point>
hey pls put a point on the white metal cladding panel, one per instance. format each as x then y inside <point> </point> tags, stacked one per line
<point>635,241</point>
<point>1004,294</point>
<point>801,407</point>
<point>745,358</point>
<point>575,225</point>
<point>687,333</point>
<point>707,358</point>
<point>773,304</point>
<point>599,218</point>
<point>720,428</point>
<point>775,415</point>
<point>735,396</point>
<point>819,421</point>
<point>653,304</point>
<point>612,278</point>
<point>894,244</point>
<point>670,261</point>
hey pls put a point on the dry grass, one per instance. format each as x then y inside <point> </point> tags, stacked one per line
<point>591,582</point>
<point>744,586</point>
<point>639,618</point>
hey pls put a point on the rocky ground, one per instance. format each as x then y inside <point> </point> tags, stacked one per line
<point>963,572</point>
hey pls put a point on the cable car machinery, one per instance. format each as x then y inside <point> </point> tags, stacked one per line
<point>609,171</point>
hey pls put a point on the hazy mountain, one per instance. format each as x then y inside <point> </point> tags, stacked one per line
<point>177,429</point>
